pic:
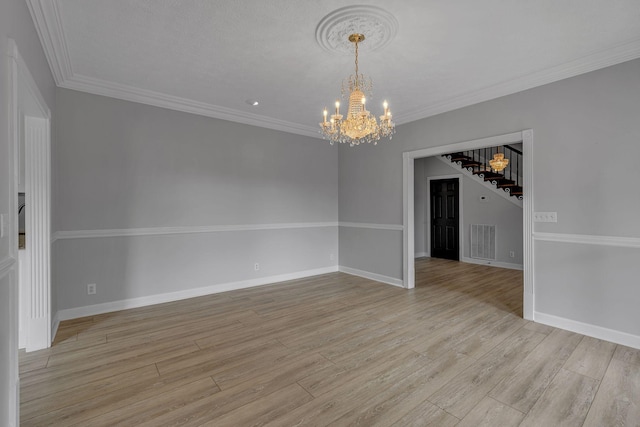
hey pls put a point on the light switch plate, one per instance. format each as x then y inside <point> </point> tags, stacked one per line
<point>545,217</point>
<point>1,226</point>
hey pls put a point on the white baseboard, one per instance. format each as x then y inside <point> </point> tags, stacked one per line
<point>421,254</point>
<point>508,265</point>
<point>594,331</point>
<point>373,276</point>
<point>92,310</point>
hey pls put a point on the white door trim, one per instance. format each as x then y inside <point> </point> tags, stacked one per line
<point>27,102</point>
<point>38,228</point>
<point>408,157</point>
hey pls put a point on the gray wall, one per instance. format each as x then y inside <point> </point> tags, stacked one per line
<point>122,165</point>
<point>586,133</point>
<point>506,216</point>
<point>15,23</point>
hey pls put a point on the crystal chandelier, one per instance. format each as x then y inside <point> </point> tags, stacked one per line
<point>498,163</point>
<point>359,126</point>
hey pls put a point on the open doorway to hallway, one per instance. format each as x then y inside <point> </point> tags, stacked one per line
<point>409,208</point>
<point>460,217</point>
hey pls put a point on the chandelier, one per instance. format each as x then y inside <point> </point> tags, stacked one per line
<point>359,126</point>
<point>498,163</point>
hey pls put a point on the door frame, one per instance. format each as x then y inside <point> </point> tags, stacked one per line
<point>460,211</point>
<point>408,198</point>
<point>28,105</point>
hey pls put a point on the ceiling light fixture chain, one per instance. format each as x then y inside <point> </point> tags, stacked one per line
<point>359,126</point>
<point>356,39</point>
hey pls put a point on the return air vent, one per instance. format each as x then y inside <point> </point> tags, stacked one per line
<point>483,241</point>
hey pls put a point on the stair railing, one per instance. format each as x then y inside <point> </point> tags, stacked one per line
<point>477,161</point>
<point>515,163</point>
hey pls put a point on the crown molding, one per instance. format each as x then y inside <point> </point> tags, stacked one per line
<point>595,61</point>
<point>46,17</point>
<point>157,99</point>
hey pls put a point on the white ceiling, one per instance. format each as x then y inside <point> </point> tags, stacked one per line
<point>208,57</point>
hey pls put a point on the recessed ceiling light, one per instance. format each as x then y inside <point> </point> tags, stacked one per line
<point>252,102</point>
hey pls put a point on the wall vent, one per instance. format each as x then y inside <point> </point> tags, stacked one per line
<point>483,241</point>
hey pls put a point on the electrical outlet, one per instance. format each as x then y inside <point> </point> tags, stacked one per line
<point>331,257</point>
<point>545,217</point>
<point>512,254</point>
<point>91,289</point>
<point>256,266</point>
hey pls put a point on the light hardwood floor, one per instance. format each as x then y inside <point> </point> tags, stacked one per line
<point>334,350</point>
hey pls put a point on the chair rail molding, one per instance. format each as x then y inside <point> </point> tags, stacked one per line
<point>586,239</point>
<point>372,226</point>
<point>160,231</point>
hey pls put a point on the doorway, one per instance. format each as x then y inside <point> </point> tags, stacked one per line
<point>444,218</point>
<point>526,138</point>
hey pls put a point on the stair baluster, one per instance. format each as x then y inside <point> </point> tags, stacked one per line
<point>477,162</point>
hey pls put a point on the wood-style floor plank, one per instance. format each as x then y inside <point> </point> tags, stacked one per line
<point>591,358</point>
<point>407,393</point>
<point>333,350</point>
<point>467,389</point>
<point>491,413</point>
<point>426,415</point>
<point>617,402</point>
<point>524,385</point>
<point>263,410</point>
<point>565,402</point>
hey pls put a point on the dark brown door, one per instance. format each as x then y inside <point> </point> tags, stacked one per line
<point>445,219</point>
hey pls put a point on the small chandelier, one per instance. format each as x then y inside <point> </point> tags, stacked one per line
<point>498,163</point>
<point>359,126</point>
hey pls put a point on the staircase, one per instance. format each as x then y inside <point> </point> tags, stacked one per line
<point>477,163</point>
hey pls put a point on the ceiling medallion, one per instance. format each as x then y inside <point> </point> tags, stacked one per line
<point>333,31</point>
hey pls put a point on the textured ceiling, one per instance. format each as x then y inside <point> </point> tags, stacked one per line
<point>209,57</point>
